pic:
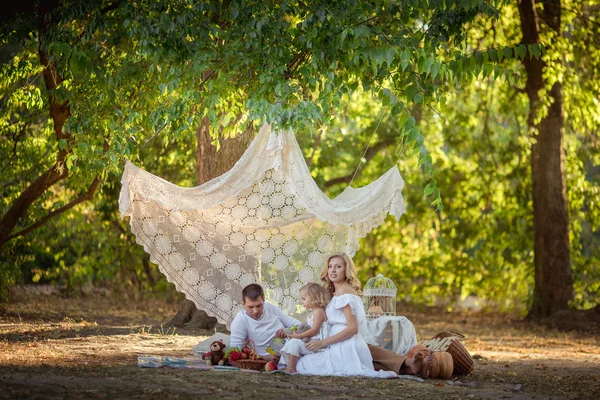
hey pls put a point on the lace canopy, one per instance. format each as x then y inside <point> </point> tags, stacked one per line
<point>264,221</point>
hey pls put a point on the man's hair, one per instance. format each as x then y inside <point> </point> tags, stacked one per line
<point>253,291</point>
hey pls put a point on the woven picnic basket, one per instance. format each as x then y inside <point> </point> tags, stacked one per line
<point>253,361</point>
<point>463,362</point>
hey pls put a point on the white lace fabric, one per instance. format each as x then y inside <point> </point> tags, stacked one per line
<point>264,221</point>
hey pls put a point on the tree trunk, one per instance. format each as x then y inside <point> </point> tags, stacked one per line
<point>210,164</point>
<point>148,270</point>
<point>553,276</point>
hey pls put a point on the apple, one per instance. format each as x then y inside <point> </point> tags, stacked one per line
<point>271,366</point>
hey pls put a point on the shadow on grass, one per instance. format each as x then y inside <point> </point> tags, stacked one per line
<point>54,331</point>
<point>116,377</point>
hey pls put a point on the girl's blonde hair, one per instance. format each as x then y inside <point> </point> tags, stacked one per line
<point>317,295</point>
<point>350,272</point>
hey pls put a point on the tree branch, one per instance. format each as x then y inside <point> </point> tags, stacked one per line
<point>372,152</point>
<point>89,195</point>
<point>86,196</point>
<point>210,74</point>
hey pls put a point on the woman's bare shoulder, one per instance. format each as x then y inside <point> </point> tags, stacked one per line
<point>345,290</point>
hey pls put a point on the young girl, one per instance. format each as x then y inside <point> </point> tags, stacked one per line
<point>345,351</point>
<point>314,297</point>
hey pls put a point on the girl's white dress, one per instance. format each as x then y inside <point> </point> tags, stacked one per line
<point>297,347</point>
<point>346,358</point>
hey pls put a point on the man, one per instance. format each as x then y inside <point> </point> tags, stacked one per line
<point>260,321</point>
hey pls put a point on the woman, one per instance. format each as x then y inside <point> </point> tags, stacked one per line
<point>344,351</point>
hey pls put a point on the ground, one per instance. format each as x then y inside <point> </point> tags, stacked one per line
<point>55,347</point>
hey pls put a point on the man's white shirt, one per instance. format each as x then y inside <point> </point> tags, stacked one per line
<point>262,330</point>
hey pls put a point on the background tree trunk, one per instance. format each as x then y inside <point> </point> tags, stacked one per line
<point>553,276</point>
<point>210,163</point>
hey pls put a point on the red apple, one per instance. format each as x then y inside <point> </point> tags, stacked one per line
<point>271,366</point>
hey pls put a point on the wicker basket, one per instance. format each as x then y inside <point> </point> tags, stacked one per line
<point>253,361</point>
<point>256,365</point>
<point>463,362</point>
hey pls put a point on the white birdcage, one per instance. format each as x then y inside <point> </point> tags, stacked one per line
<point>379,297</point>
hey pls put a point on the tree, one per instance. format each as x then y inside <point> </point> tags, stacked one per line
<point>121,68</point>
<point>126,72</point>
<point>543,22</point>
<point>553,277</point>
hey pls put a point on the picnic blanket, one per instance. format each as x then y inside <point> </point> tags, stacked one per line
<point>150,361</point>
<point>153,361</point>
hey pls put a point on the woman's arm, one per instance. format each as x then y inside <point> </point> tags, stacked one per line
<point>318,319</point>
<point>347,333</point>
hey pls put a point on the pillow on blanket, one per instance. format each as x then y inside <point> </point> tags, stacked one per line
<point>204,346</point>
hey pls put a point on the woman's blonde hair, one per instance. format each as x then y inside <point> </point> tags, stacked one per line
<point>350,272</point>
<point>317,295</point>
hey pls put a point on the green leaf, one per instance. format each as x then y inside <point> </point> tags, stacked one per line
<point>534,50</point>
<point>405,56</point>
<point>69,161</point>
<point>435,69</point>
<point>428,190</point>
<point>479,58</point>
<point>521,51</point>
<point>419,141</point>
<point>410,123</point>
<point>487,70</point>
<point>343,35</point>
<point>227,119</point>
<point>507,52</point>
<point>389,56</point>
<point>412,135</point>
<point>385,101</point>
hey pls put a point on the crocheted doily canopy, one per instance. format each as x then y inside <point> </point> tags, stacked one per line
<point>264,221</point>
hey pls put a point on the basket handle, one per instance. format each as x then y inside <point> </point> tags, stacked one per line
<point>445,334</point>
<point>252,346</point>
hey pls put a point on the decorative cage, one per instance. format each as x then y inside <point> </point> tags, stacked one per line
<point>379,297</point>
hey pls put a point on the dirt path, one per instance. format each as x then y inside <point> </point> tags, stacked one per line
<point>87,347</point>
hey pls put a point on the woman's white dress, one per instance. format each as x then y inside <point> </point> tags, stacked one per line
<point>297,347</point>
<point>349,357</point>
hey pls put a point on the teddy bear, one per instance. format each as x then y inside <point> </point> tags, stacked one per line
<point>217,353</point>
<point>303,327</point>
